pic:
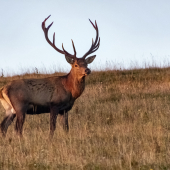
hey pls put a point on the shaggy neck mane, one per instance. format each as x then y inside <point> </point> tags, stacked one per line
<point>75,84</point>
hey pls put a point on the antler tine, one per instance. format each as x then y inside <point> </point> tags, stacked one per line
<point>74,48</point>
<point>68,54</point>
<point>54,38</point>
<point>95,45</point>
<point>46,19</point>
<point>92,24</point>
<point>98,43</point>
<point>53,44</point>
<point>97,32</point>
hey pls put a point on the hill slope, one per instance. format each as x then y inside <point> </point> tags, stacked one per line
<point>122,121</point>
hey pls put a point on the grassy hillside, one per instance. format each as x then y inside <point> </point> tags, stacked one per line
<point>122,121</point>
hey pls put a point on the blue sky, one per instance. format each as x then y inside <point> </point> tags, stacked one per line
<point>132,32</point>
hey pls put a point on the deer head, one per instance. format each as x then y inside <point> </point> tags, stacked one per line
<point>79,65</point>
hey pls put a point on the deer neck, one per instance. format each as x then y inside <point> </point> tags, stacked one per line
<point>74,84</point>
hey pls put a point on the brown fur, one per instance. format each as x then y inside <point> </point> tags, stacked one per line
<point>33,96</point>
<point>53,94</point>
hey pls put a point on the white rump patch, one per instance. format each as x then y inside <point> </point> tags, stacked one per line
<point>9,109</point>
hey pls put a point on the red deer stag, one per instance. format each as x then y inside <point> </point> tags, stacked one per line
<point>54,95</point>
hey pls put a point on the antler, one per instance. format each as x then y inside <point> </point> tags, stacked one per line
<point>53,44</point>
<point>95,45</point>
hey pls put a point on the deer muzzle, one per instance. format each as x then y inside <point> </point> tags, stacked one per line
<point>87,71</point>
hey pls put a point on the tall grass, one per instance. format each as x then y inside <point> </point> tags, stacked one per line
<point>121,121</point>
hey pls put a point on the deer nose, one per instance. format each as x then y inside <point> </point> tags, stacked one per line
<point>87,71</point>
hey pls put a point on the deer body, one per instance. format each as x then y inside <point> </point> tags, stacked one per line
<point>55,94</point>
<point>40,92</point>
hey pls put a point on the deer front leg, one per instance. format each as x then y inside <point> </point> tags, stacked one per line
<point>64,120</point>
<point>53,117</point>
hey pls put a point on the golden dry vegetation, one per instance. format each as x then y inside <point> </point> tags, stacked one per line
<point>121,121</point>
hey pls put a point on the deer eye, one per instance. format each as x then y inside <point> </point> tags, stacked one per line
<point>76,65</point>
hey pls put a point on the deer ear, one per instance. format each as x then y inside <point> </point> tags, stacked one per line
<point>90,59</point>
<point>69,60</point>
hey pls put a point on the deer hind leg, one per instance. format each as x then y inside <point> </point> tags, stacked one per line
<point>64,120</point>
<point>53,117</point>
<point>6,122</point>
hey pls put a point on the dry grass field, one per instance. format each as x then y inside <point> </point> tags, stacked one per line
<point>121,122</point>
